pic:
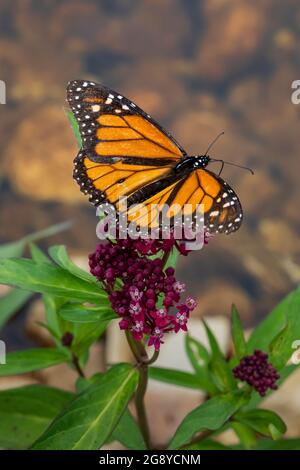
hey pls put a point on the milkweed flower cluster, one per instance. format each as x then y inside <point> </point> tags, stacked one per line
<point>257,372</point>
<point>142,291</point>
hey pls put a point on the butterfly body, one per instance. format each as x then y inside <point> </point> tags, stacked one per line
<point>126,154</point>
<point>192,163</point>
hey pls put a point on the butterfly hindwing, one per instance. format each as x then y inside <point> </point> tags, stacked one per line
<point>222,209</point>
<point>113,180</point>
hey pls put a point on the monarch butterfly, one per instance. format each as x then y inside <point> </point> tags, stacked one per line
<point>126,153</point>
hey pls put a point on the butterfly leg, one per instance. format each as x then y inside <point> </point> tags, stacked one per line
<point>221,169</point>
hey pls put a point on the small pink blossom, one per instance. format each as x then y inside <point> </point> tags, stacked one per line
<point>138,330</point>
<point>135,294</point>
<point>156,338</point>
<point>179,287</point>
<point>135,308</point>
<point>180,322</point>
<point>191,303</point>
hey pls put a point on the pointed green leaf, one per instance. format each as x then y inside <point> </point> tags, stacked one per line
<point>281,347</point>
<point>86,334</point>
<point>266,422</point>
<point>87,422</point>
<point>128,433</point>
<point>211,415</point>
<point>215,348</point>
<point>181,378</point>
<point>245,434</point>
<point>59,254</point>
<point>197,353</point>
<point>29,360</point>
<point>11,303</point>
<point>16,249</point>
<point>273,323</point>
<point>221,372</point>
<point>26,412</point>
<point>172,259</point>
<point>45,278</point>
<point>79,313</point>
<point>200,359</point>
<point>38,255</point>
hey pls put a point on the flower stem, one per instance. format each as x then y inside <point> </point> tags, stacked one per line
<point>143,362</point>
<point>76,364</point>
<point>140,405</point>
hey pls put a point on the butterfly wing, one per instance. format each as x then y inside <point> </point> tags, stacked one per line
<point>125,153</point>
<point>123,148</point>
<point>200,192</point>
<point>222,209</point>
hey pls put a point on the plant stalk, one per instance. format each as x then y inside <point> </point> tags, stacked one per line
<point>76,364</point>
<point>140,404</point>
<point>143,361</point>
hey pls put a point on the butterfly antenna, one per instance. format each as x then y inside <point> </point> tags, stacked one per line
<point>234,164</point>
<point>213,142</point>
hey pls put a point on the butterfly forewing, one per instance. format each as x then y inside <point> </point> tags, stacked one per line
<point>123,148</point>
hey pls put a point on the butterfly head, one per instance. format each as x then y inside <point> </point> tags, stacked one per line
<point>201,161</point>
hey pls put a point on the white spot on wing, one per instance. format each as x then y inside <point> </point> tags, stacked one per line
<point>95,108</point>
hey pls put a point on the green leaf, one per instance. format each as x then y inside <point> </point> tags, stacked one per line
<point>29,360</point>
<point>54,323</point>
<point>221,372</point>
<point>59,254</point>
<point>281,346</point>
<point>238,334</point>
<point>199,359</point>
<point>197,353</point>
<point>178,377</point>
<point>37,254</point>
<point>273,323</point>
<point>172,259</point>
<point>207,444</point>
<point>85,335</point>
<point>87,422</point>
<point>245,434</point>
<point>75,127</point>
<point>16,249</point>
<point>11,303</point>
<point>79,313</point>
<point>222,375</point>
<point>281,444</point>
<point>215,349</point>
<point>266,422</point>
<point>26,412</point>
<point>51,303</point>
<point>128,433</point>
<point>13,249</point>
<point>45,278</point>
<point>211,415</point>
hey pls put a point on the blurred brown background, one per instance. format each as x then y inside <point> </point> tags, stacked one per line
<point>199,67</point>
